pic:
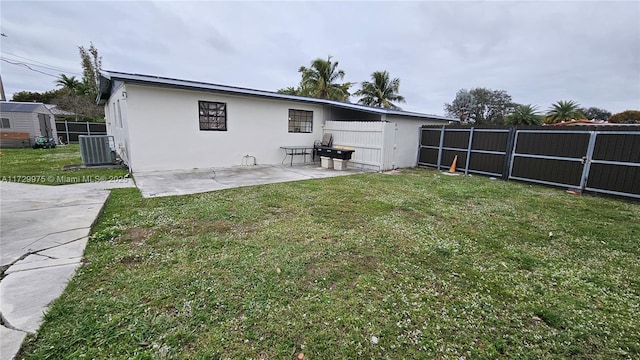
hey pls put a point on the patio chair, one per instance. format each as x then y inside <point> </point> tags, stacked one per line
<point>327,140</point>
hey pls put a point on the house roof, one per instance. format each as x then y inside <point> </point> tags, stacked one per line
<point>15,106</point>
<point>575,122</point>
<point>105,92</point>
<point>58,112</point>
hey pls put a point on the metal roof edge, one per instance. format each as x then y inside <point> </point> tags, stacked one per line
<point>17,106</point>
<point>198,85</point>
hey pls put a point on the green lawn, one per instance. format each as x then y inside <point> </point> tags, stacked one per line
<point>415,265</point>
<point>44,167</point>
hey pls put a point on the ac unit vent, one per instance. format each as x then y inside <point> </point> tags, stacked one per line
<point>97,149</point>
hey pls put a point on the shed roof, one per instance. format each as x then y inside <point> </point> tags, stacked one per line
<point>105,92</point>
<point>58,112</point>
<point>14,106</point>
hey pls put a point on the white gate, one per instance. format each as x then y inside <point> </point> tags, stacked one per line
<point>373,142</point>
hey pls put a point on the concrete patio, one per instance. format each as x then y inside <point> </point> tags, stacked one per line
<point>168,183</point>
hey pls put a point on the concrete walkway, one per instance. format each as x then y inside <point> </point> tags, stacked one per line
<point>43,232</point>
<point>167,183</point>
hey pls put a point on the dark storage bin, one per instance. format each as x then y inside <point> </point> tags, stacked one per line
<point>334,153</point>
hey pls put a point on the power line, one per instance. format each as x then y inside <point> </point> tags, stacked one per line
<point>29,67</point>
<point>44,65</point>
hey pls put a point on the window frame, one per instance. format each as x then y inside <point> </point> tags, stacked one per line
<point>298,119</point>
<point>2,123</point>
<point>215,119</point>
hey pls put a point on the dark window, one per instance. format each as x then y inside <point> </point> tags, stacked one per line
<point>300,121</point>
<point>213,115</point>
<point>4,124</point>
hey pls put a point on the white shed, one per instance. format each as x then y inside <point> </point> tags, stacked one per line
<point>170,124</point>
<point>22,122</point>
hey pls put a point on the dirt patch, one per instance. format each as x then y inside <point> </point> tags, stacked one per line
<point>130,260</point>
<point>316,270</point>
<point>342,267</point>
<point>220,227</point>
<point>137,235</point>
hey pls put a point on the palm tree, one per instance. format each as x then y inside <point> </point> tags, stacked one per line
<point>289,91</point>
<point>381,91</point>
<point>563,111</point>
<point>83,88</point>
<point>524,115</point>
<point>68,83</point>
<point>320,81</point>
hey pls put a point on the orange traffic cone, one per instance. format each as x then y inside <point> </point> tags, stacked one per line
<point>452,169</point>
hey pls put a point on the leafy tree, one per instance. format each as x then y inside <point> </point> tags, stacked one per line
<point>289,91</point>
<point>463,106</point>
<point>83,106</point>
<point>84,88</point>
<point>524,115</point>
<point>320,81</point>
<point>381,91</point>
<point>31,96</point>
<point>563,111</point>
<point>626,117</point>
<point>67,83</point>
<point>594,113</point>
<point>91,65</point>
<point>481,106</point>
<point>74,95</point>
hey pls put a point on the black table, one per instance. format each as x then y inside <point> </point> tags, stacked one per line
<point>297,150</point>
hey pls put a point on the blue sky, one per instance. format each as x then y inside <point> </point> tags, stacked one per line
<point>539,52</point>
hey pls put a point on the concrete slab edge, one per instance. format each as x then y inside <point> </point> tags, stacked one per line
<point>9,350</point>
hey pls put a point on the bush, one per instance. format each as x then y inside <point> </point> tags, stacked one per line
<point>626,117</point>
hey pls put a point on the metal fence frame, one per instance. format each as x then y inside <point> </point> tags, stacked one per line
<point>607,162</point>
<point>468,150</point>
<point>582,160</point>
<point>62,127</point>
<point>511,155</point>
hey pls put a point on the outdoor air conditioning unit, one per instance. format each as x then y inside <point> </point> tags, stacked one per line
<point>97,149</point>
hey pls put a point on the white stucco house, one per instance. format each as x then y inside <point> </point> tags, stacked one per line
<point>170,124</point>
<point>22,122</point>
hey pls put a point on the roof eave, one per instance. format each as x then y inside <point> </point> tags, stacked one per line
<point>111,76</point>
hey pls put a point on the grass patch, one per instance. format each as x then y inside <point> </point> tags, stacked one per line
<point>44,167</point>
<point>431,266</point>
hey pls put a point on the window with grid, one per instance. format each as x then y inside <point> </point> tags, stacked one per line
<point>5,124</point>
<point>300,121</point>
<point>213,115</point>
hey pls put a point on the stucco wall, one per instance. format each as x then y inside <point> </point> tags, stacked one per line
<point>163,129</point>
<point>407,139</point>
<point>117,122</point>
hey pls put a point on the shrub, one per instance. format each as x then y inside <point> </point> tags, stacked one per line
<point>626,117</point>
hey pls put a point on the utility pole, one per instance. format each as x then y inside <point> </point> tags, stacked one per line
<point>3,97</point>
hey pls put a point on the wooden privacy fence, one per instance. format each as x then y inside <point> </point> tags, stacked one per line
<point>70,130</point>
<point>603,159</point>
